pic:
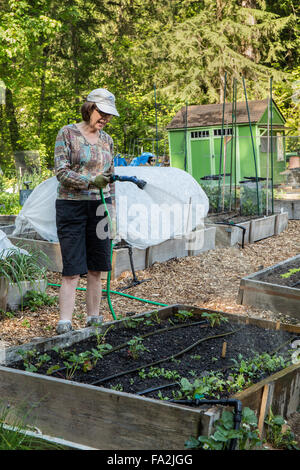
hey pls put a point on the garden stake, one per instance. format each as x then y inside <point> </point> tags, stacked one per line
<point>224,347</point>
<point>263,407</point>
<point>253,148</point>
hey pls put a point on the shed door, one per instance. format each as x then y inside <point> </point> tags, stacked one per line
<point>226,155</point>
<point>201,159</point>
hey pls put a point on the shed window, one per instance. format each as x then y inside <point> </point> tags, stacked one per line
<point>199,134</point>
<point>227,131</point>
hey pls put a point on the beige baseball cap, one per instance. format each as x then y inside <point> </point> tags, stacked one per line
<point>104,100</point>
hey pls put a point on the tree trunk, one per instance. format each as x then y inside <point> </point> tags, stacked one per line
<point>42,92</point>
<point>75,48</point>
<point>12,122</point>
<point>248,48</point>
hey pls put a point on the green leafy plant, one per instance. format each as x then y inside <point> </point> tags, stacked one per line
<point>290,273</point>
<point>190,390</point>
<point>133,322</point>
<point>183,315</point>
<point>28,357</point>
<point>136,347</point>
<point>74,361</point>
<point>214,318</point>
<point>35,299</point>
<point>247,435</point>
<point>277,434</point>
<point>16,435</point>
<point>33,359</point>
<point>98,353</point>
<point>9,203</point>
<point>159,372</point>
<point>100,337</point>
<point>17,266</point>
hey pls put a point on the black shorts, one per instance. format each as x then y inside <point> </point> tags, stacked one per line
<point>81,248</point>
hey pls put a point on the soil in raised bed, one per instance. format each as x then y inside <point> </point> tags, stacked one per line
<point>274,276</point>
<point>231,218</point>
<point>155,367</point>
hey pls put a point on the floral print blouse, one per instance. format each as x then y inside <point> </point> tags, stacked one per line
<point>76,161</point>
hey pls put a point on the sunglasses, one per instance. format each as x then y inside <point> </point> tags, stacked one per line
<point>104,115</point>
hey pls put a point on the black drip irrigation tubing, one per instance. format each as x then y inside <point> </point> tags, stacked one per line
<point>237,418</point>
<point>173,356</point>
<point>146,335</point>
<point>173,384</point>
<point>235,225</point>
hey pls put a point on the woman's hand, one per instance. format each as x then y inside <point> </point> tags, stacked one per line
<point>100,181</point>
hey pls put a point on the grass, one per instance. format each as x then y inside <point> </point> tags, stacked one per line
<point>16,266</point>
<point>18,435</point>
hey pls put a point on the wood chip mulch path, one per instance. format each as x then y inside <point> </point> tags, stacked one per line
<point>210,280</point>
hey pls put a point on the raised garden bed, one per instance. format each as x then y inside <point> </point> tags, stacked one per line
<point>142,419</point>
<point>232,229</point>
<point>7,223</point>
<point>142,258</point>
<point>276,288</point>
<point>11,295</point>
<point>291,206</point>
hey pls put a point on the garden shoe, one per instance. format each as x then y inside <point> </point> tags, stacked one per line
<point>63,326</point>
<point>94,320</point>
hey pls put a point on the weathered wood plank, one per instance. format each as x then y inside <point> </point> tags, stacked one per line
<point>285,392</point>
<point>275,297</point>
<point>97,417</point>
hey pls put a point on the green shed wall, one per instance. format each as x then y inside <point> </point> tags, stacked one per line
<point>177,149</point>
<point>203,154</point>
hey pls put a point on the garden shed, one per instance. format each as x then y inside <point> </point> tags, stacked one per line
<point>196,133</point>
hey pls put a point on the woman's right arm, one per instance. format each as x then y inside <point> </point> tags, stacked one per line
<point>62,163</point>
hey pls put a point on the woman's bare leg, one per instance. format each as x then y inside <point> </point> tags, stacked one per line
<point>67,297</point>
<point>93,293</point>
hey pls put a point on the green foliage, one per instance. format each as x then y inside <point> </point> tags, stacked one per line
<point>290,273</point>
<point>16,266</point>
<point>9,203</point>
<point>15,435</point>
<point>36,299</point>
<point>278,435</point>
<point>247,435</point>
<point>214,318</point>
<point>136,347</point>
<point>183,315</point>
<point>159,372</point>
<point>53,53</point>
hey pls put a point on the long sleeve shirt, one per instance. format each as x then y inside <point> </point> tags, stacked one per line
<point>76,161</point>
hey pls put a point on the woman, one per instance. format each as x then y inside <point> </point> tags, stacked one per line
<point>83,166</point>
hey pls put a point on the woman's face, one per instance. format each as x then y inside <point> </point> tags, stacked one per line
<point>98,120</point>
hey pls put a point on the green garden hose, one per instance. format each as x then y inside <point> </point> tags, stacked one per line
<point>108,291</point>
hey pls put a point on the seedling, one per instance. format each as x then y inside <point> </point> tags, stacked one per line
<point>290,273</point>
<point>247,435</point>
<point>74,361</point>
<point>183,315</point>
<point>214,318</point>
<point>136,346</point>
<point>35,299</point>
<point>28,357</point>
<point>278,435</point>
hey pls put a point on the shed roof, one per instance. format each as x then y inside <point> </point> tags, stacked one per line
<point>211,114</point>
